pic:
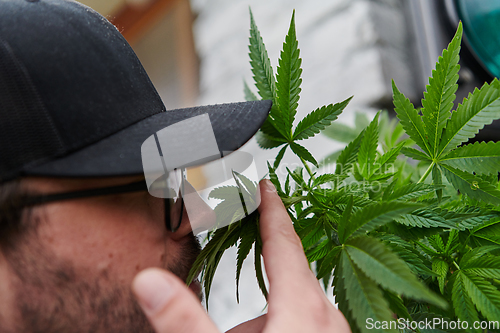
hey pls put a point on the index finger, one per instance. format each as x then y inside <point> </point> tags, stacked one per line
<point>284,258</point>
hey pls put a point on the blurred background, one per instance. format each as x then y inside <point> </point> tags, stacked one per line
<point>195,52</point>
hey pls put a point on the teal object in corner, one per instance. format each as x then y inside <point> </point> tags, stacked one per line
<point>481,20</point>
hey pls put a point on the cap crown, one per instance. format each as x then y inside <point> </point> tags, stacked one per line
<point>68,78</point>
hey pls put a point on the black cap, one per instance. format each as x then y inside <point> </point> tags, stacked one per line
<point>76,102</point>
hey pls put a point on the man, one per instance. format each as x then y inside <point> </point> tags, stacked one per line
<point>83,246</point>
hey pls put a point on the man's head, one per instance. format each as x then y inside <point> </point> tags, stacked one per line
<point>75,108</point>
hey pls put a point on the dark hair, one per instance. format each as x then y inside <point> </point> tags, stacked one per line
<point>11,213</point>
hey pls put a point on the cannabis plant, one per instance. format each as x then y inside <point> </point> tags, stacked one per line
<point>407,225</point>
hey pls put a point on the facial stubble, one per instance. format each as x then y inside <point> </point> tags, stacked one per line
<point>51,296</point>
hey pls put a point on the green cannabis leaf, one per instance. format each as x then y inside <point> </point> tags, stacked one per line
<point>392,241</point>
<point>285,93</point>
<point>438,132</point>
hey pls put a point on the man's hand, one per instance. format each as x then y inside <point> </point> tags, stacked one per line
<point>297,303</point>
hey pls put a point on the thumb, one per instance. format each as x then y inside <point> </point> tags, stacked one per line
<point>169,305</point>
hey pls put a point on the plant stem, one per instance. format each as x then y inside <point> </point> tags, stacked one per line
<point>307,167</point>
<point>427,172</point>
<point>456,265</point>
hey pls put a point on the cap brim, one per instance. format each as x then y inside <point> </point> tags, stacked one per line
<point>120,154</point>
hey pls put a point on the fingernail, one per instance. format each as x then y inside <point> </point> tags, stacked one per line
<point>152,290</point>
<point>269,186</point>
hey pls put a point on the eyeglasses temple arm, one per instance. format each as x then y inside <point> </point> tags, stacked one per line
<point>30,201</point>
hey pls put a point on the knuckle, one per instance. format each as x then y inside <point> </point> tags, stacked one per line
<point>285,236</point>
<point>322,313</point>
<point>290,235</point>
